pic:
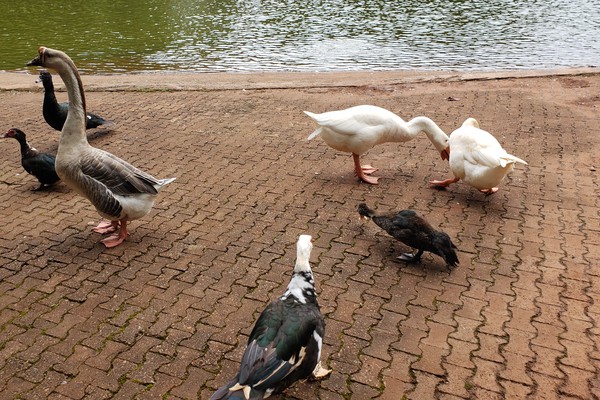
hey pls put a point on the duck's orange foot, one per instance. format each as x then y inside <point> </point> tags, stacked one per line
<point>488,192</point>
<point>105,227</point>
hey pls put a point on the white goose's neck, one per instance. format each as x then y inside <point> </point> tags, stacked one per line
<point>433,132</point>
<point>73,131</point>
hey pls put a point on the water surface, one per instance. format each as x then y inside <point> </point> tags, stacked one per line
<point>227,35</point>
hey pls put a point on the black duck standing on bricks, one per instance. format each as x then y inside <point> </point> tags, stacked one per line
<point>412,230</point>
<point>285,344</point>
<point>55,113</point>
<point>36,163</point>
<point>119,191</point>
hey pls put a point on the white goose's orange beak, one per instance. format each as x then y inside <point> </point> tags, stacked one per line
<point>445,154</point>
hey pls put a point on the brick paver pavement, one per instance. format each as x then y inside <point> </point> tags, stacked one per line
<point>167,314</point>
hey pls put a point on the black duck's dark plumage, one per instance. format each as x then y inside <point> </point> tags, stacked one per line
<point>40,165</point>
<point>285,344</point>
<point>55,113</point>
<point>412,230</point>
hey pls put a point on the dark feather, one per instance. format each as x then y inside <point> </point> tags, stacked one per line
<point>282,347</point>
<point>41,165</point>
<point>414,231</point>
<point>284,328</point>
<point>55,113</point>
<point>118,176</point>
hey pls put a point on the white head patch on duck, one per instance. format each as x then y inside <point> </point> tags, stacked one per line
<point>302,284</point>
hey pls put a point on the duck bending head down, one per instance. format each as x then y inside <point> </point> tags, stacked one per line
<point>357,129</point>
<point>477,158</point>
<point>119,191</point>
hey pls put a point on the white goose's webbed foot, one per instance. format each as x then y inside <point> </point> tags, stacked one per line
<point>488,192</point>
<point>368,169</point>
<point>444,183</point>
<point>362,171</point>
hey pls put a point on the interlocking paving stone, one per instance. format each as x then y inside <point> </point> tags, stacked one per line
<point>167,314</point>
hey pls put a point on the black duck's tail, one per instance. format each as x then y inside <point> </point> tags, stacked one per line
<point>94,121</point>
<point>365,211</point>
<point>445,248</point>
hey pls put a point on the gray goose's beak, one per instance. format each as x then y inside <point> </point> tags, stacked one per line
<point>37,61</point>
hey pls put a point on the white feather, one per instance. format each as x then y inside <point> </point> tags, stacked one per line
<point>477,158</point>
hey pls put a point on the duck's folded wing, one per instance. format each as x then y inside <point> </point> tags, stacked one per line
<point>276,350</point>
<point>405,225</point>
<point>39,163</point>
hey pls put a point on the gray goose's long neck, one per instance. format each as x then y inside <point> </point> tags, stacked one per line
<point>74,128</point>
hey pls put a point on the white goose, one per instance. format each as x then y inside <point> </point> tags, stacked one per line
<point>477,158</point>
<point>357,129</point>
<point>119,191</point>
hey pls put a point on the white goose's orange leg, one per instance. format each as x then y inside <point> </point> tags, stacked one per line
<point>363,171</point>
<point>115,240</point>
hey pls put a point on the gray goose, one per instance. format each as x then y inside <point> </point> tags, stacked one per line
<point>119,191</point>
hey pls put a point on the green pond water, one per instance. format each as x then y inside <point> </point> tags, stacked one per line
<point>207,36</point>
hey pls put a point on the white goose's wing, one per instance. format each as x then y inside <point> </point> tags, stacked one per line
<point>478,147</point>
<point>353,121</point>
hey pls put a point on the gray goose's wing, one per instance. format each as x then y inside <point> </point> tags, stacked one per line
<point>104,175</point>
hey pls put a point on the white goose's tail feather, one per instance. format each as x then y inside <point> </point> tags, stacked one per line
<point>509,158</point>
<point>318,131</point>
<point>314,134</point>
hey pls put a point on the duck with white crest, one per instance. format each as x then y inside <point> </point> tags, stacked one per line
<point>285,343</point>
